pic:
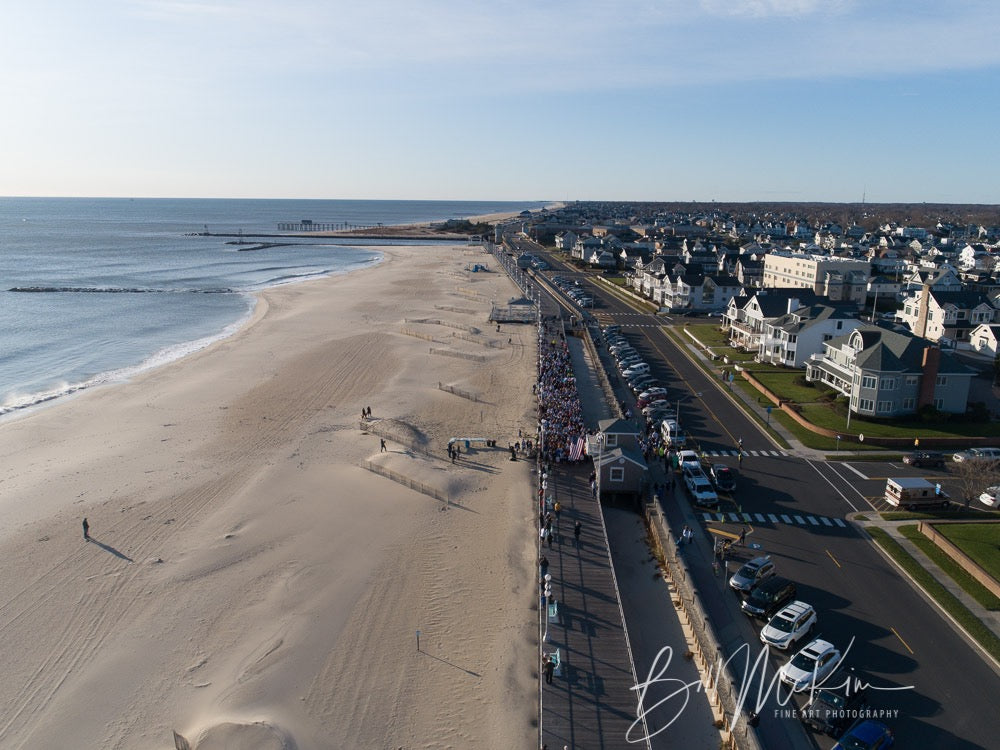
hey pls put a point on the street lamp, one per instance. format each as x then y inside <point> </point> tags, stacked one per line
<point>600,454</point>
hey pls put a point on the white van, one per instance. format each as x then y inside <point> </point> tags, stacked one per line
<point>640,368</point>
<point>671,433</point>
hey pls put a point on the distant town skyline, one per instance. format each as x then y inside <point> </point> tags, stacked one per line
<point>726,100</point>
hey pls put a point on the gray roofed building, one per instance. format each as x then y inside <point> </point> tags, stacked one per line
<point>890,374</point>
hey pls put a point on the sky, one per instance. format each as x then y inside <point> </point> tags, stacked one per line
<point>631,100</point>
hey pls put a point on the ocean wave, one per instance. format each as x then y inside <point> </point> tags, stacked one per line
<point>118,290</point>
<point>17,402</point>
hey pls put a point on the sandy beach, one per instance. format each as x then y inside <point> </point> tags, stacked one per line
<point>249,583</point>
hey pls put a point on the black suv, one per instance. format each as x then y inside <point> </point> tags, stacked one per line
<point>768,597</point>
<point>930,459</point>
<point>832,709</point>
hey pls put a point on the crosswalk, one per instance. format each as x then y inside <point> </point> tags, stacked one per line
<point>774,518</point>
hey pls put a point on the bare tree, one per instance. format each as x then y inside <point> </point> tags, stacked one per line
<point>973,477</point>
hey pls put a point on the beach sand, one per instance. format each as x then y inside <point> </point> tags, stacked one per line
<point>249,584</point>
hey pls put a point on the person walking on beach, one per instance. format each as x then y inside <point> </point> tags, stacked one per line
<point>383,449</point>
<point>577,528</point>
<point>86,530</point>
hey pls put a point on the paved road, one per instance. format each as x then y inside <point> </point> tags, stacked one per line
<point>899,638</point>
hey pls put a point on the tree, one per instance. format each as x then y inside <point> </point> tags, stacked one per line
<point>973,477</point>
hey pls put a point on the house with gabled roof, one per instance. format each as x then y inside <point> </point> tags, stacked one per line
<point>749,271</point>
<point>746,316</point>
<point>985,339</point>
<point>791,339</point>
<point>947,317</point>
<point>889,374</point>
<point>941,279</point>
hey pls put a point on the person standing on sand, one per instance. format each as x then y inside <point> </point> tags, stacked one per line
<point>384,449</point>
<point>86,530</point>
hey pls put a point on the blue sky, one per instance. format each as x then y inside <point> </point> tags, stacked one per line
<point>727,100</point>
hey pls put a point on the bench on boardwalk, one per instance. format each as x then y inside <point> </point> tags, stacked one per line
<point>554,612</point>
<point>556,663</point>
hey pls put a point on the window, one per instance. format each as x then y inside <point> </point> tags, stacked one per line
<point>884,407</point>
<point>888,384</point>
<point>866,404</point>
<point>911,379</point>
<point>909,404</point>
<point>616,474</point>
<point>939,404</point>
<point>941,380</point>
<point>868,381</point>
<point>610,439</point>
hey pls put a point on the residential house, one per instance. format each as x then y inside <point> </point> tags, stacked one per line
<point>749,271</point>
<point>746,316</point>
<point>946,317</point>
<point>566,240</point>
<point>888,374</point>
<point>791,339</point>
<point>985,339</point>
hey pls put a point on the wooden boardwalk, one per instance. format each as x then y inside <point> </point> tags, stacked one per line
<point>590,704</point>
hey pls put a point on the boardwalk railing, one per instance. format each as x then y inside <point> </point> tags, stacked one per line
<point>719,686</point>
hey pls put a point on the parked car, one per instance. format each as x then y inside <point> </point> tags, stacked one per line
<point>724,477</point>
<point>641,382</point>
<point>810,666</point>
<point>651,393</point>
<point>752,573</point>
<point>831,709</point>
<point>978,454</point>
<point>688,457</point>
<point>768,597</point>
<point>700,488</point>
<point>660,406</point>
<point>866,734</point>
<point>925,459</point>
<point>789,626</point>
<point>989,496</point>
<point>637,368</point>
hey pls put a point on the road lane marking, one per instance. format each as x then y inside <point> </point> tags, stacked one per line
<point>848,466</point>
<point>826,521</point>
<point>813,521</point>
<point>785,518</point>
<point>827,479</point>
<point>833,558</point>
<point>772,518</point>
<point>800,519</point>
<point>840,522</point>
<point>760,517</point>
<point>907,645</point>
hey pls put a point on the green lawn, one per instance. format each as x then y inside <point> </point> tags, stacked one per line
<point>955,571</point>
<point>980,541</point>
<point>784,383</point>
<point>709,334</point>
<point>972,624</point>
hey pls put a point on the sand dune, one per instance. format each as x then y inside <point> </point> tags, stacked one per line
<point>250,583</point>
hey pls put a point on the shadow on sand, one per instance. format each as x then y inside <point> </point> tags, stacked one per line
<point>112,550</point>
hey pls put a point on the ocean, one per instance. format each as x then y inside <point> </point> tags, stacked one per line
<point>93,290</point>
